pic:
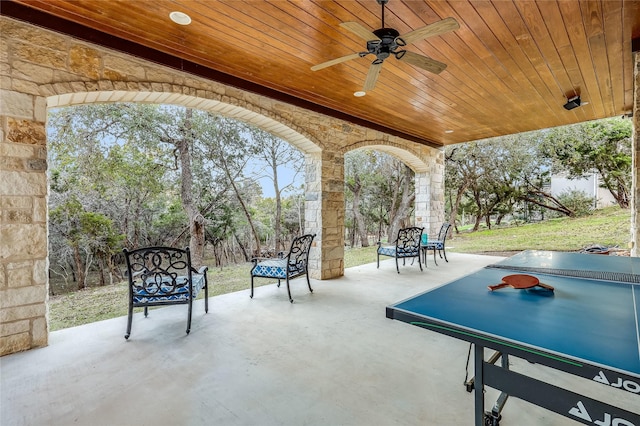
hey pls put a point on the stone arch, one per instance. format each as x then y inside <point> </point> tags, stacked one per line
<point>428,165</point>
<point>59,95</point>
<point>408,154</point>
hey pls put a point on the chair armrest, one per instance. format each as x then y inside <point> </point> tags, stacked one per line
<point>202,271</point>
<point>135,274</point>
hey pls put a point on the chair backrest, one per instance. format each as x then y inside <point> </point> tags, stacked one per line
<point>159,271</point>
<point>408,241</point>
<point>298,256</point>
<point>444,230</point>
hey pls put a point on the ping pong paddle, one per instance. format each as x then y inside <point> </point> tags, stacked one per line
<point>520,282</point>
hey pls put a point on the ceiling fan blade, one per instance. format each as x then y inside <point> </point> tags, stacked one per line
<point>437,28</point>
<point>423,62</point>
<point>335,61</point>
<point>359,30</point>
<point>372,76</point>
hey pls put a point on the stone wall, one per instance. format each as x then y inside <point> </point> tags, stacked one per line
<point>40,69</point>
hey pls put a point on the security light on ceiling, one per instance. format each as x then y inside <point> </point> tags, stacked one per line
<point>572,103</point>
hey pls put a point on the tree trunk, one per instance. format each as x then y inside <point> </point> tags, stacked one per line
<point>278,219</point>
<point>404,207</point>
<point>196,220</point>
<point>456,205</point>
<point>361,227</point>
<point>79,267</point>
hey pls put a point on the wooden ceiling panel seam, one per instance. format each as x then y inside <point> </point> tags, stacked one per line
<point>241,32</point>
<point>613,28</point>
<point>87,16</point>
<point>508,92</point>
<point>483,63</point>
<point>520,62</point>
<point>562,44</point>
<point>554,67</point>
<point>577,36</point>
<point>597,48</point>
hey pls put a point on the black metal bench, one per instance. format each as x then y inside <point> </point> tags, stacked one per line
<point>407,245</point>
<point>294,264</point>
<point>161,276</point>
<point>437,245</point>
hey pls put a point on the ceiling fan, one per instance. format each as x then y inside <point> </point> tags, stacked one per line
<point>385,42</point>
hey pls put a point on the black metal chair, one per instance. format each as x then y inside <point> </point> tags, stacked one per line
<point>407,245</point>
<point>439,244</point>
<point>294,264</point>
<point>161,276</point>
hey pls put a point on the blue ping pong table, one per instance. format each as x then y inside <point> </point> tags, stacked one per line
<point>588,326</point>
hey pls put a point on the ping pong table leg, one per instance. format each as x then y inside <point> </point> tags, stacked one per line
<point>490,418</point>
<point>479,384</point>
<point>502,399</point>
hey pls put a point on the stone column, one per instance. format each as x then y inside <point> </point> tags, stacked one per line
<point>324,213</point>
<point>423,201</point>
<point>23,219</point>
<point>436,212</point>
<point>429,183</point>
<point>635,168</point>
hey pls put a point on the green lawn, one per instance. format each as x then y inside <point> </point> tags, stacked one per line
<point>610,227</point>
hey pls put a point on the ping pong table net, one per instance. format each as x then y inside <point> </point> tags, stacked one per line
<point>620,277</point>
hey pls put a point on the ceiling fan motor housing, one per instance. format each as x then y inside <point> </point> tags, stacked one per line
<point>384,47</point>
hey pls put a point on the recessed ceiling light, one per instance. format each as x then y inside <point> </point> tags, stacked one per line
<point>448,131</point>
<point>359,94</point>
<point>180,18</point>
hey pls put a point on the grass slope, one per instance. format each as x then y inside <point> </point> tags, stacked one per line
<point>608,227</point>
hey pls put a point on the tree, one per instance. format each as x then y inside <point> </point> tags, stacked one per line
<point>275,153</point>
<point>88,234</point>
<point>359,174</point>
<point>602,146</point>
<point>403,197</point>
<point>228,149</point>
<point>461,172</point>
<point>498,174</point>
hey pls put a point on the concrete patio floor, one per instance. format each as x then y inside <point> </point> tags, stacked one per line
<point>331,358</point>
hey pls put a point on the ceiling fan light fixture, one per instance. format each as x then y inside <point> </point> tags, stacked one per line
<point>572,103</point>
<point>180,18</point>
<point>359,93</point>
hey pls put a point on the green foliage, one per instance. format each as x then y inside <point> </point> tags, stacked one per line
<point>602,146</point>
<point>578,202</point>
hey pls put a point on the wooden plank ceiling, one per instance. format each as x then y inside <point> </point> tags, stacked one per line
<point>510,66</point>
